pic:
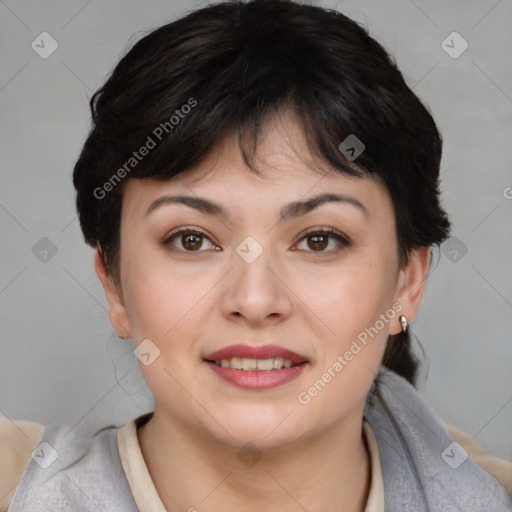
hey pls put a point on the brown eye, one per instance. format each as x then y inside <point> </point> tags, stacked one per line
<point>318,240</point>
<point>190,240</point>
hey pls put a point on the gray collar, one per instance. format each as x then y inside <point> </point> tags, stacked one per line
<point>424,470</point>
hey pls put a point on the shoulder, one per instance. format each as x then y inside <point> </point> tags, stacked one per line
<point>17,441</point>
<point>421,464</point>
<point>74,470</point>
<point>501,469</point>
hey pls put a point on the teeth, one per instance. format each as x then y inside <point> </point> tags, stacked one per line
<point>265,365</point>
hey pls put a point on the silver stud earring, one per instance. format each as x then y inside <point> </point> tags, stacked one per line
<point>403,322</point>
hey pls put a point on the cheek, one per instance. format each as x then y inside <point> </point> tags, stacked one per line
<point>353,343</point>
<point>350,304</point>
<point>353,295</point>
<point>147,291</point>
<point>163,299</point>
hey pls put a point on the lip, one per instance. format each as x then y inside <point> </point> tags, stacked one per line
<point>253,352</point>
<point>255,380</point>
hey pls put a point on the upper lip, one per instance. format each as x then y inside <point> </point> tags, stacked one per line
<point>255,352</point>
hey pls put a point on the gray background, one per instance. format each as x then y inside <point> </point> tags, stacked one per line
<point>59,358</point>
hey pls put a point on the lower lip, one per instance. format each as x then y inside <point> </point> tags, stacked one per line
<point>257,380</point>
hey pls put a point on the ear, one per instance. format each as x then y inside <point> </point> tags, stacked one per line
<point>117,310</point>
<point>411,285</point>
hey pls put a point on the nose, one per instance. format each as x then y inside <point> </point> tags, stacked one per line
<point>256,291</point>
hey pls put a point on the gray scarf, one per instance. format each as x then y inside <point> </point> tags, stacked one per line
<point>423,469</point>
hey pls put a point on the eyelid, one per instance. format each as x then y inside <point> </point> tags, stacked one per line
<point>323,229</point>
<point>185,229</point>
<point>342,239</point>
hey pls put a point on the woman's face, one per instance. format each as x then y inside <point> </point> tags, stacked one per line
<point>248,277</point>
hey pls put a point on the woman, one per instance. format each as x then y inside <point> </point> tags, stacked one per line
<point>261,189</point>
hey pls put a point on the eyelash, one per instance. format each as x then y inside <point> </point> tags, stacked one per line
<point>342,240</point>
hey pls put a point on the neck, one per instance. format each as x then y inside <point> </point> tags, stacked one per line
<point>190,470</point>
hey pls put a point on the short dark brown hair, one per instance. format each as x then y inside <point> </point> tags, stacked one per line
<point>229,66</point>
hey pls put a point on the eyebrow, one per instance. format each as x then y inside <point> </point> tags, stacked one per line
<point>291,210</point>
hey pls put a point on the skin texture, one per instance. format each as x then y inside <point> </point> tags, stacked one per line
<point>310,300</point>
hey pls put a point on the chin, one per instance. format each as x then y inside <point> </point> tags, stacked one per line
<point>266,433</point>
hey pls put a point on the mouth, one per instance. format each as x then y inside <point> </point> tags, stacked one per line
<point>255,358</point>
<point>256,368</point>
<point>256,365</point>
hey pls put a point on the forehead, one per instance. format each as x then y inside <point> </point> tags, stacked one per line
<point>285,171</point>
